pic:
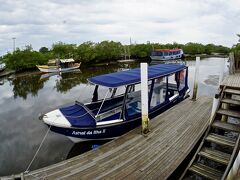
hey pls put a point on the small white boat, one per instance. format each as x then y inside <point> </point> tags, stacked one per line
<point>2,66</point>
<point>59,66</point>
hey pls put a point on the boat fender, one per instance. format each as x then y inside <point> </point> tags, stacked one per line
<point>41,115</point>
<point>95,146</point>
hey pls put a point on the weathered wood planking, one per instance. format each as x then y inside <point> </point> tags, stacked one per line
<point>173,134</point>
<point>232,81</point>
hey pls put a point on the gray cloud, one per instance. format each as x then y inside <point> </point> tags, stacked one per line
<point>75,21</point>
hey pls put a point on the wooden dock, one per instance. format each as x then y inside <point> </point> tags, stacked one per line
<point>132,156</point>
<point>232,81</point>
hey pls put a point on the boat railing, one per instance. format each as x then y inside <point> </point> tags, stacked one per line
<point>108,113</point>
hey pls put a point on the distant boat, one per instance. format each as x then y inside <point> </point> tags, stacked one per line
<point>166,54</point>
<point>59,66</point>
<point>2,67</point>
<point>120,110</point>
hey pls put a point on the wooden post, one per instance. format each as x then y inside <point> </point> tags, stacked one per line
<point>144,97</point>
<point>224,105</point>
<point>231,63</point>
<point>195,86</point>
<point>221,72</point>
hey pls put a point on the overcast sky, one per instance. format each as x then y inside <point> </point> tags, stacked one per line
<point>42,23</point>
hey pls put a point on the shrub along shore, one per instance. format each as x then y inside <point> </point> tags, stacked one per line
<point>102,52</point>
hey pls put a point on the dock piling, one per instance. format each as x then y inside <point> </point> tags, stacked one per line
<point>144,97</point>
<point>195,86</point>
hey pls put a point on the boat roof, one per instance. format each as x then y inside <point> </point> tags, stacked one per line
<point>132,76</point>
<point>67,60</point>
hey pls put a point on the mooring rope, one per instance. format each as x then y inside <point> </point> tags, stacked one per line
<point>35,155</point>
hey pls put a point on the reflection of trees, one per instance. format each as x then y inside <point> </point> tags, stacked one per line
<point>98,70</point>
<point>69,80</point>
<point>31,84</point>
<point>24,85</point>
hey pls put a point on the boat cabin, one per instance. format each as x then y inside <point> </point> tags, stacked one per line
<point>166,83</point>
<point>62,63</point>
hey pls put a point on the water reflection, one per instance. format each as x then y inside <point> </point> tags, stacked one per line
<point>30,84</point>
<point>24,85</point>
<point>83,147</point>
<point>22,98</point>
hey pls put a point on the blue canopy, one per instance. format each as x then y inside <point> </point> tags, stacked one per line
<point>132,76</point>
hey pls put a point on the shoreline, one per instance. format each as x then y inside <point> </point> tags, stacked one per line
<point>8,72</point>
<point>205,55</point>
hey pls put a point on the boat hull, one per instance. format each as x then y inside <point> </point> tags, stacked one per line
<point>110,131</point>
<point>47,69</point>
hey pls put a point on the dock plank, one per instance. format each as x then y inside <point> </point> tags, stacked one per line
<point>132,156</point>
<point>232,81</point>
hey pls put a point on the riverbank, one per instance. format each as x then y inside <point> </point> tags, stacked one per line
<point>206,55</point>
<point>188,57</point>
<point>6,72</point>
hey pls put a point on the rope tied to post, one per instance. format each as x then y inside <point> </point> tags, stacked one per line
<point>35,155</point>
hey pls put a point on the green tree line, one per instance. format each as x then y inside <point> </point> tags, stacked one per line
<point>105,51</point>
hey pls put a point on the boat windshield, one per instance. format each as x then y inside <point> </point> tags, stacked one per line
<point>100,92</point>
<point>157,53</point>
<point>165,53</point>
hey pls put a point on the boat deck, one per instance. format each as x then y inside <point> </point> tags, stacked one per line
<point>172,136</point>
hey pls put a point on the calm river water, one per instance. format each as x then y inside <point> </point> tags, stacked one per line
<point>24,96</point>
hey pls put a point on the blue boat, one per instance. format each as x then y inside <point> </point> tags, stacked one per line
<point>166,54</point>
<point>119,111</point>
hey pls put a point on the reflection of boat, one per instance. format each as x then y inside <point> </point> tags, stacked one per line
<point>1,81</point>
<point>59,65</point>
<point>47,75</point>
<point>117,113</point>
<point>2,67</point>
<point>166,54</point>
<point>83,147</point>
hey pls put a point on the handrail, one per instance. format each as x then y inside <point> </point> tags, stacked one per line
<point>232,158</point>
